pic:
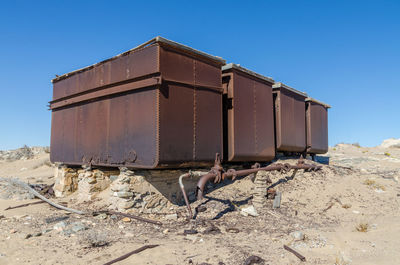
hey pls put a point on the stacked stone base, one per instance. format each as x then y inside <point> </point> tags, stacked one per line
<point>260,189</point>
<point>144,191</point>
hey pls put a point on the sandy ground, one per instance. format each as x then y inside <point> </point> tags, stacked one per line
<point>358,189</point>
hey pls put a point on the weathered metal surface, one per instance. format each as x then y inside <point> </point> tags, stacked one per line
<point>317,126</point>
<point>248,111</point>
<point>159,105</point>
<point>290,116</point>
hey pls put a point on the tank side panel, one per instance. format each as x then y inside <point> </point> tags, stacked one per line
<point>139,63</point>
<point>132,136</point>
<point>292,136</point>
<point>208,128</point>
<point>264,119</point>
<point>244,119</point>
<point>318,128</point>
<point>176,67</point>
<point>176,124</point>
<point>189,129</point>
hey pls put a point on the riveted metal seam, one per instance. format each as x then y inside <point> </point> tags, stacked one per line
<point>255,116</point>
<point>157,144</point>
<point>194,110</point>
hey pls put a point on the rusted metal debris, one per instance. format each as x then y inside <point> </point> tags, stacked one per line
<point>190,231</point>
<point>297,254</point>
<point>23,205</point>
<point>127,255</point>
<point>131,216</point>
<point>253,260</point>
<point>36,194</point>
<point>217,173</point>
<point>212,230</point>
<point>232,230</point>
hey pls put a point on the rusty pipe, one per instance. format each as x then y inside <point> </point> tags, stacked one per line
<point>202,183</point>
<point>237,173</point>
<point>190,174</point>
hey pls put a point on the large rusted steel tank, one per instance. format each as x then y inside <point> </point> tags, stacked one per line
<point>317,126</point>
<point>157,105</point>
<point>290,117</point>
<point>248,115</point>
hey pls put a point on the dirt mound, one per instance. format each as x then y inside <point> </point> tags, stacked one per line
<point>23,153</point>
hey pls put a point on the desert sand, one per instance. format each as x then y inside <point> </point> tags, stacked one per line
<point>346,213</point>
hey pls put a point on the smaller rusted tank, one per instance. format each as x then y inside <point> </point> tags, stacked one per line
<point>317,126</point>
<point>290,116</point>
<point>248,115</point>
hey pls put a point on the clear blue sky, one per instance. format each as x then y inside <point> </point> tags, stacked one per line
<point>346,53</point>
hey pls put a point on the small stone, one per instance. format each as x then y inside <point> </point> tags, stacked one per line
<point>2,216</point>
<point>126,219</point>
<point>191,237</point>
<point>44,231</point>
<point>78,226</point>
<point>113,177</point>
<point>37,234</point>
<point>126,204</point>
<point>297,235</point>
<point>165,231</point>
<point>91,180</point>
<point>18,217</point>
<point>113,216</point>
<point>123,194</point>
<point>13,231</point>
<point>28,236</point>
<point>59,226</point>
<point>277,200</point>
<point>249,211</point>
<point>173,216</point>
<point>102,216</point>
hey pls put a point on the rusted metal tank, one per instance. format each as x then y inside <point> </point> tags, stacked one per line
<point>157,105</point>
<point>290,116</point>
<point>317,126</point>
<point>248,115</point>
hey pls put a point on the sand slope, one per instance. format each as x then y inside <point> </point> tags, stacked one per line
<point>359,187</point>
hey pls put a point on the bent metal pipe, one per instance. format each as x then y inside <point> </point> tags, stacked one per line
<point>217,174</point>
